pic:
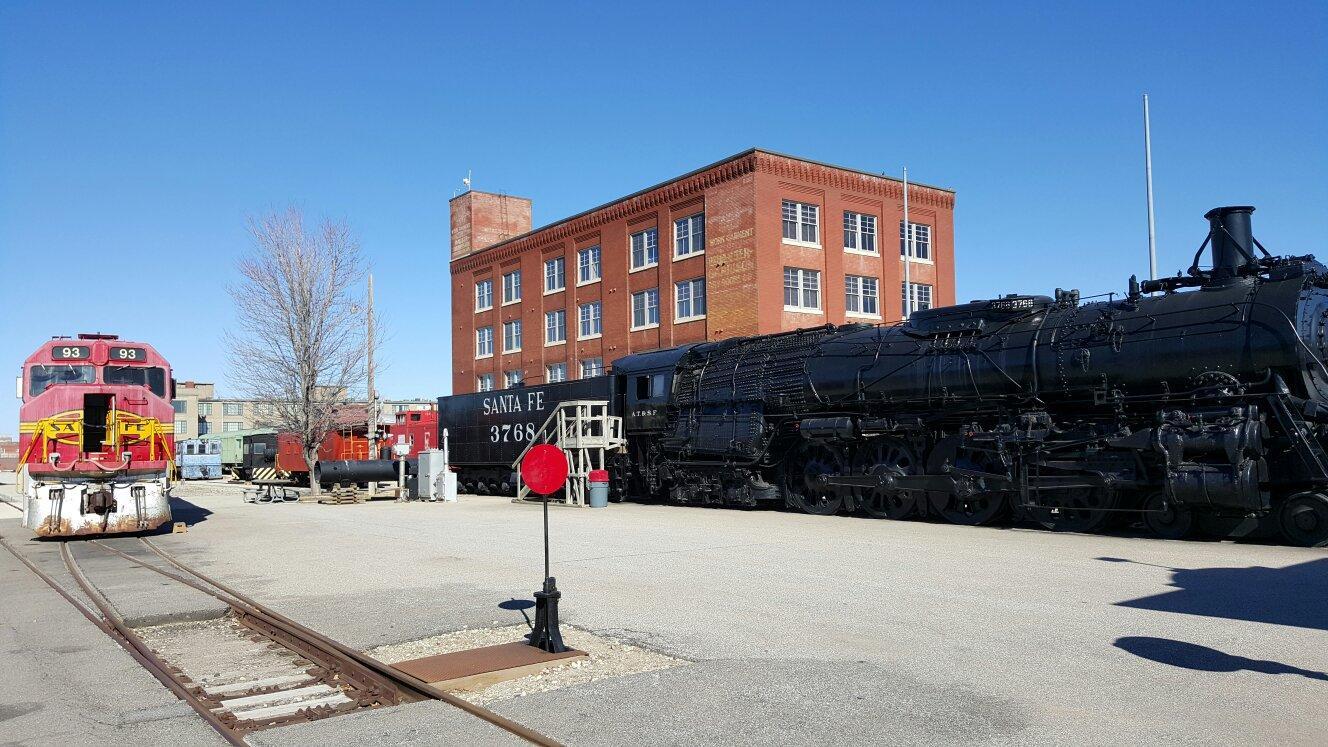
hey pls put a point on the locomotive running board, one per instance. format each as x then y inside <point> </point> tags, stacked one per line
<point>948,482</point>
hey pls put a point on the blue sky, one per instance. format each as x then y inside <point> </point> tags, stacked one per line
<point>135,138</point>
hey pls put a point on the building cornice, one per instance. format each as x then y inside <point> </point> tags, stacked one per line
<point>695,183</point>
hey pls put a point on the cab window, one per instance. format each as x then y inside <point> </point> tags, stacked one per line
<point>41,378</point>
<point>649,387</point>
<point>152,378</point>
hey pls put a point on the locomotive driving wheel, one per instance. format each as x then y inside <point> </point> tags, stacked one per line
<point>1165,519</point>
<point>802,480</point>
<point>1083,509</point>
<point>1304,520</point>
<point>975,501</point>
<point>885,456</point>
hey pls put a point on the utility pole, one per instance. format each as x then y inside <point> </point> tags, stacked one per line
<point>1148,175</point>
<point>373,394</point>
<point>908,254</point>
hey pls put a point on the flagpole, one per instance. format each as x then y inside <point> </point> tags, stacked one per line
<point>908,254</point>
<point>1148,175</point>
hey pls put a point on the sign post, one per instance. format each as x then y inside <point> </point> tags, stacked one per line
<point>544,470</point>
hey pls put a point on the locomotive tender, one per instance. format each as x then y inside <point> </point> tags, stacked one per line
<point>96,437</point>
<point>1199,398</point>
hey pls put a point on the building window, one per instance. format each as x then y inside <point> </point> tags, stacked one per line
<point>512,287</point>
<point>179,405</point>
<point>592,367</point>
<point>555,327</point>
<point>230,427</point>
<point>484,295</point>
<point>484,342</point>
<point>204,409</point>
<point>512,378</point>
<point>645,248</point>
<point>861,295</point>
<point>232,408</point>
<point>689,235</point>
<point>484,383</point>
<point>587,265</point>
<point>801,222</point>
<point>921,240</point>
<point>555,372</point>
<point>802,289</point>
<point>181,427</point>
<point>921,297</point>
<point>645,309</point>
<point>555,274</point>
<point>592,325</point>
<point>512,336</point>
<point>691,297</point>
<point>859,232</point>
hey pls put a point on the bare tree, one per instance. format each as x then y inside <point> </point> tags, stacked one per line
<point>298,341</point>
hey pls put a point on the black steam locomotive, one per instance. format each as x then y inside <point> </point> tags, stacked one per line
<point>1195,399</point>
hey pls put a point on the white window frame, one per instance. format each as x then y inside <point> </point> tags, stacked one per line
<point>855,294</point>
<point>181,427</point>
<point>513,377</point>
<point>512,332</point>
<point>231,427</point>
<point>549,326</point>
<point>802,286</point>
<point>480,339</point>
<point>801,212</point>
<point>595,319</point>
<point>645,298</point>
<point>859,229</point>
<point>484,382</point>
<point>926,230</point>
<point>918,291</point>
<point>599,367</point>
<point>696,303</point>
<point>488,284</point>
<point>691,231</point>
<point>645,234</point>
<point>511,287</point>
<point>550,377</point>
<point>232,409</point>
<point>555,270</point>
<point>583,264</point>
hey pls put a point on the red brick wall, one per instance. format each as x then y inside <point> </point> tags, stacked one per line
<point>743,261</point>
<point>481,219</point>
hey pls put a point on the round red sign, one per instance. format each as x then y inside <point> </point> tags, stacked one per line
<point>544,468</point>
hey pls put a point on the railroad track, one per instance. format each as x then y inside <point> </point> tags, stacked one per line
<point>254,668</point>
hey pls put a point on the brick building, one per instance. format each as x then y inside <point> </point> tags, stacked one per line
<point>757,243</point>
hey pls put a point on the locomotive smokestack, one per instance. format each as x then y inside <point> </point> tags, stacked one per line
<point>1232,238</point>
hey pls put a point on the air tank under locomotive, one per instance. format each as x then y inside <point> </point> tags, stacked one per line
<point>1199,397</point>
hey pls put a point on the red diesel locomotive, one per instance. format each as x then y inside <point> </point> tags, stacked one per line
<point>96,437</point>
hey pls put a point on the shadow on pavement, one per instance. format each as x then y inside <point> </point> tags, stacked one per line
<point>1204,659</point>
<point>520,605</point>
<point>1296,595</point>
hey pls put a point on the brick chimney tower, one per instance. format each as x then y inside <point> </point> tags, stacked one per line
<point>482,219</point>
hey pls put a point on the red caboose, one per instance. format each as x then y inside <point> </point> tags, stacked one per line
<point>96,436</point>
<point>419,428</point>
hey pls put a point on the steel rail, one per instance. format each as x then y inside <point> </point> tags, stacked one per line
<point>143,653</point>
<point>414,685</point>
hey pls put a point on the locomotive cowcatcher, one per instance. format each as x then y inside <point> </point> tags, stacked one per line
<point>96,437</point>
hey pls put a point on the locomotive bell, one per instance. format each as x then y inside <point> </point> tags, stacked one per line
<point>1232,238</point>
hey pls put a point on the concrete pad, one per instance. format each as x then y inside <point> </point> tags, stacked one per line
<point>142,597</point>
<point>66,683</point>
<point>430,722</point>
<point>1082,638</point>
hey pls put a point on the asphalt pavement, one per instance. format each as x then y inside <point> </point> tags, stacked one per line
<point>802,630</point>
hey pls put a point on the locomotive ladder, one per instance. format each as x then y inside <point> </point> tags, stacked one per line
<point>585,431</point>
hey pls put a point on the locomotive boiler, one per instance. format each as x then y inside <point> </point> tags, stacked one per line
<point>1195,399</point>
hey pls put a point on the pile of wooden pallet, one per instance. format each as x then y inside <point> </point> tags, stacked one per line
<point>339,495</point>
